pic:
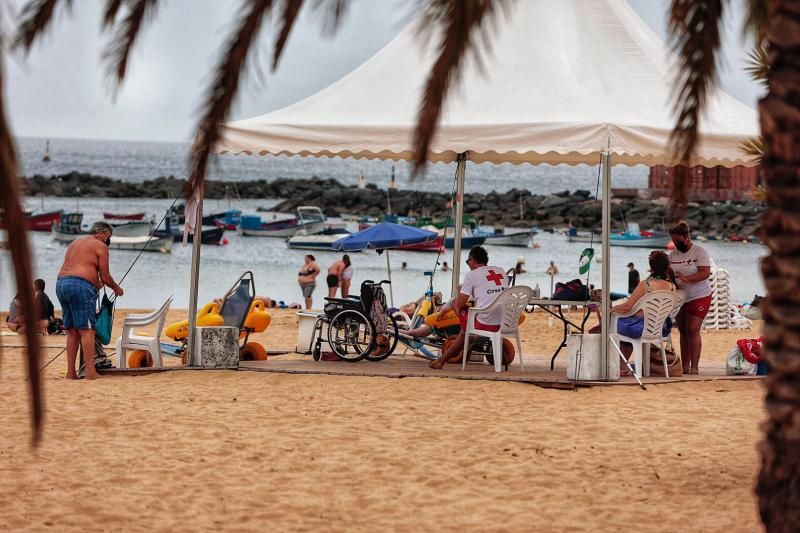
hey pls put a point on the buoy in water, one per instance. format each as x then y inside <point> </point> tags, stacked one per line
<point>224,241</point>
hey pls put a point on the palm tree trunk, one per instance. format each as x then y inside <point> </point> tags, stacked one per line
<point>778,486</point>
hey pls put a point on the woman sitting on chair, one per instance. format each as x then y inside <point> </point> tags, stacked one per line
<point>661,279</point>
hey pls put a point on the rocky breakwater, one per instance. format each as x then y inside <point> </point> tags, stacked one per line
<point>512,208</point>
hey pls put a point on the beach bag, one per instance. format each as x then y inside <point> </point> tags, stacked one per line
<point>743,359</point>
<point>105,319</point>
<point>573,290</point>
<point>657,363</point>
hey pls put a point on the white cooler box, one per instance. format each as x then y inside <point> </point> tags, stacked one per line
<point>305,333</point>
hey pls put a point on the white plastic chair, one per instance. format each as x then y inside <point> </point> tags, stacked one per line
<point>680,299</point>
<point>656,306</point>
<point>129,341</point>
<point>513,301</point>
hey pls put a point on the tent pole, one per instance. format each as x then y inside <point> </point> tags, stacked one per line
<point>459,222</point>
<point>605,322</point>
<point>191,359</point>
<point>389,270</point>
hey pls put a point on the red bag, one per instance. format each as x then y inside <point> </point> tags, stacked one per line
<point>751,349</point>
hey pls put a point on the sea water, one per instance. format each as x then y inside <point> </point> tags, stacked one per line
<point>154,276</point>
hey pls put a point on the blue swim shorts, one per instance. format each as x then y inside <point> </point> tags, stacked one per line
<point>78,300</point>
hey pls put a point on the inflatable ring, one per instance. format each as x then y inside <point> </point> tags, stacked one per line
<point>253,351</point>
<point>140,359</point>
<point>508,353</point>
<point>449,342</point>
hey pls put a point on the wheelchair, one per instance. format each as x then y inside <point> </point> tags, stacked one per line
<point>358,327</point>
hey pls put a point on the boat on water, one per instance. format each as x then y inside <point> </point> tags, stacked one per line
<point>573,235</point>
<point>70,228</point>
<point>318,241</point>
<point>467,242</point>
<point>436,245</point>
<point>632,238</point>
<point>123,216</point>
<point>309,219</point>
<point>131,228</point>
<point>40,221</point>
<point>511,237</point>
<point>208,235</point>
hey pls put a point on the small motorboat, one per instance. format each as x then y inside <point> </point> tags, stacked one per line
<point>70,228</point>
<point>318,241</point>
<point>520,238</point>
<point>208,235</point>
<point>573,235</point>
<point>634,238</point>
<point>123,216</point>
<point>436,245</point>
<point>309,219</point>
<point>131,228</point>
<point>149,244</point>
<point>40,221</point>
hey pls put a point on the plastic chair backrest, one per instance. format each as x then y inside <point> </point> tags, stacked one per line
<point>680,298</point>
<point>513,301</point>
<point>237,301</point>
<point>656,307</point>
<point>162,317</point>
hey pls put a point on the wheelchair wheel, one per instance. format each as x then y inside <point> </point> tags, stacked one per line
<point>384,343</point>
<point>351,335</point>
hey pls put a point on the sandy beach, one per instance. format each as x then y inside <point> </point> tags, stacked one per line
<point>211,450</point>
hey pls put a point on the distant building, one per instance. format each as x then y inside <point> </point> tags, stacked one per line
<point>707,183</point>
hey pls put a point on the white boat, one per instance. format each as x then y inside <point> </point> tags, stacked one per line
<point>318,241</point>
<point>131,228</point>
<point>632,238</point>
<point>309,219</point>
<point>70,229</point>
<point>155,244</point>
<point>520,238</point>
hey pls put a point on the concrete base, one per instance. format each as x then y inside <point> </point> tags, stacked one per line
<point>584,359</point>
<point>217,347</point>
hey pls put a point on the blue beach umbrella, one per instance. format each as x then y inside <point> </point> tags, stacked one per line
<point>384,236</point>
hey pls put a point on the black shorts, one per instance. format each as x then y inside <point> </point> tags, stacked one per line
<point>332,281</point>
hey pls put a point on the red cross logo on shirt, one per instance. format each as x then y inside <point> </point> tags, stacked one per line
<point>494,276</point>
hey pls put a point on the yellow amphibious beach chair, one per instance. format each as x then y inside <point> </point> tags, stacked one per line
<point>239,309</point>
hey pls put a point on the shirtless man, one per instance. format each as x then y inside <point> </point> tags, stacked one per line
<point>334,279</point>
<point>85,270</point>
<point>307,278</point>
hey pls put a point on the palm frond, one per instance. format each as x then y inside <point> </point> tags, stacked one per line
<point>458,21</point>
<point>694,29</point>
<point>36,17</point>
<point>118,52</point>
<point>758,65</point>
<point>334,13</point>
<point>223,90</point>
<point>110,12</point>
<point>753,148</point>
<point>291,9</point>
<point>21,258</point>
<point>757,18</point>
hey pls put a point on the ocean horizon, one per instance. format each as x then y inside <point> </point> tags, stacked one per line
<point>137,161</point>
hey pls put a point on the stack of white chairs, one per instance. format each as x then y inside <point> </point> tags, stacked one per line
<point>722,314</point>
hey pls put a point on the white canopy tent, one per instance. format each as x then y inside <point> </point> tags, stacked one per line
<point>572,81</point>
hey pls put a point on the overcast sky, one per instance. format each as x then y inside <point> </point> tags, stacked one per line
<point>59,90</point>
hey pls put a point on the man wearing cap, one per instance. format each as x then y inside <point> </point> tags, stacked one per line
<point>483,284</point>
<point>633,278</point>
